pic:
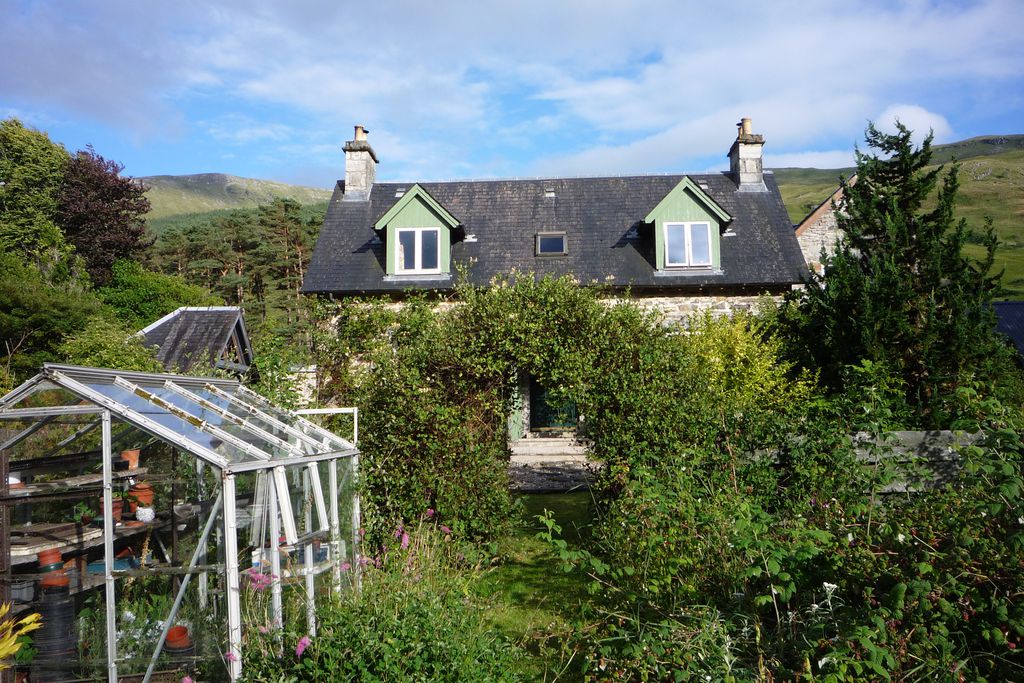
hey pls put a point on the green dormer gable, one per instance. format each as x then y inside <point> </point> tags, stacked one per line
<point>417,232</point>
<point>688,225</point>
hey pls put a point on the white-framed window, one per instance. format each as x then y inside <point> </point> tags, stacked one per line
<point>418,251</point>
<point>687,245</point>
<point>551,244</point>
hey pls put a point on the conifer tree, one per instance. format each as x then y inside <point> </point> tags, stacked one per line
<point>899,289</point>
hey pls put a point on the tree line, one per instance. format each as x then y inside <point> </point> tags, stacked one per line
<point>80,273</point>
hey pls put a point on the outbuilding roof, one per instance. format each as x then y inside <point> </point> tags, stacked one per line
<point>607,241</point>
<point>207,336</point>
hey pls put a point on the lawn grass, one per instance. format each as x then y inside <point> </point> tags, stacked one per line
<point>533,601</point>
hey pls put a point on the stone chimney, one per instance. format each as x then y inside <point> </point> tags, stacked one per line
<point>745,159</point>
<point>360,167</point>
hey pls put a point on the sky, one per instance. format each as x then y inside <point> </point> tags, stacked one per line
<point>500,88</point>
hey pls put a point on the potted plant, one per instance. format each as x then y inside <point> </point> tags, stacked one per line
<point>82,513</point>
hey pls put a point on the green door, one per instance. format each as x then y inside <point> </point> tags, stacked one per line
<point>547,414</point>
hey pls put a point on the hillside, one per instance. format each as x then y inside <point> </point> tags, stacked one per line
<point>991,185</point>
<point>206,192</point>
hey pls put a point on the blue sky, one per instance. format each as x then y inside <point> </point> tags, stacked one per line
<point>492,88</point>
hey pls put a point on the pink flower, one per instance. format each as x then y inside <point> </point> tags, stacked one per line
<point>186,679</point>
<point>430,512</point>
<point>399,531</point>
<point>345,566</point>
<point>302,645</point>
<point>445,529</point>
<point>231,656</point>
<point>405,540</point>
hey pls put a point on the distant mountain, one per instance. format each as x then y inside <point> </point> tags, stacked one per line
<point>991,186</point>
<point>175,195</point>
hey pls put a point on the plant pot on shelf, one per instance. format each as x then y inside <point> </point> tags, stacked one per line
<point>141,496</point>
<point>132,457</point>
<point>178,638</point>
<point>49,557</point>
<point>56,579</point>
<point>116,511</point>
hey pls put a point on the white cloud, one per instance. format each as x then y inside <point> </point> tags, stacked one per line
<point>462,87</point>
<point>243,130</point>
<point>917,119</point>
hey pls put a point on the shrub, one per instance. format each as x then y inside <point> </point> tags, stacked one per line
<point>412,620</point>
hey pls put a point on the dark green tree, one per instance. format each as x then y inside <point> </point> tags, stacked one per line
<point>899,289</point>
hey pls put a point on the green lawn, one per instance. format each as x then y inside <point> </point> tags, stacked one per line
<point>534,601</point>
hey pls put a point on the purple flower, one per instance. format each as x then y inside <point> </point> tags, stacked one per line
<point>445,529</point>
<point>405,540</point>
<point>230,656</point>
<point>430,512</point>
<point>302,645</point>
<point>186,679</point>
<point>399,531</point>
<point>345,566</point>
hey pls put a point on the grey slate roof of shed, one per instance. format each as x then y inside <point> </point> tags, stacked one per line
<point>1010,321</point>
<point>198,336</point>
<point>595,213</point>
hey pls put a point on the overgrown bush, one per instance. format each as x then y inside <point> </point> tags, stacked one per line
<point>414,619</point>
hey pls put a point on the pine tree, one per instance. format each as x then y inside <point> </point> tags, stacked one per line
<point>899,289</point>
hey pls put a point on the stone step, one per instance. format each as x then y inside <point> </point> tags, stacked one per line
<point>554,449</point>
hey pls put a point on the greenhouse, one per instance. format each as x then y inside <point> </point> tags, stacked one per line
<point>156,521</point>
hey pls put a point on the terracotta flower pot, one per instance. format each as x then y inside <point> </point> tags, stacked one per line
<point>178,638</point>
<point>55,579</point>
<point>142,494</point>
<point>132,457</point>
<point>48,557</point>
<point>116,511</point>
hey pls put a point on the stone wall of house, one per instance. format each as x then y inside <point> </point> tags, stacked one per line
<point>822,232</point>
<point>673,309</point>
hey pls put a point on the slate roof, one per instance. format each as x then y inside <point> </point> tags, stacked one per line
<point>597,215</point>
<point>198,336</point>
<point>1010,321</point>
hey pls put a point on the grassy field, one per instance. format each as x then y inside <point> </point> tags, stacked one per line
<point>991,186</point>
<point>534,601</point>
<point>206,192</point>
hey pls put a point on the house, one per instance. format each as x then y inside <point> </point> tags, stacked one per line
<point>201,337</point>
<point>819,233</point>
<point>679,242</point>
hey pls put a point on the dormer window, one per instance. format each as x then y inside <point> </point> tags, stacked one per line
<point>417,233</point>
<point>688,224</point>
<point>687,245</point>
<point>551,244</point>
<point>418,251</point>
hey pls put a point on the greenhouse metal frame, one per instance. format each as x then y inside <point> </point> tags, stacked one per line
<point>222,424</point>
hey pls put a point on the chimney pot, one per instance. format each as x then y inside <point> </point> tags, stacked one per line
<point>745,126</point>
<point>360,133</point>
